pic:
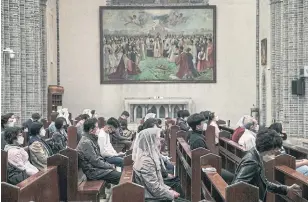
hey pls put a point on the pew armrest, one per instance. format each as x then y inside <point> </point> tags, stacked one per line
<point>218,183</point>
<point>33,178</point>
<point>91,186</point>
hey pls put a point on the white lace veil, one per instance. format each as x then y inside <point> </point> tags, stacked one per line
<point>242,121</point>
<point>147,143</point>
<point>149,115</point>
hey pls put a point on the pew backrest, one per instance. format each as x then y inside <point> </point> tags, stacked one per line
<point>4,164</point>
<point>72,137</point>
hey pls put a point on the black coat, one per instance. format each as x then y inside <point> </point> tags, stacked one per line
<point>251,171</point>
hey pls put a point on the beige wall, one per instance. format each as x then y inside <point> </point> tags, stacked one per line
<point>51,21</point>
<point>265,32</point>
<point>231,97</point>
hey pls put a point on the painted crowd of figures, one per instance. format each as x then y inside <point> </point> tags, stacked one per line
<point>191,54</point>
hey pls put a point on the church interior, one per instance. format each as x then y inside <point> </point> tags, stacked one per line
<point>154,100</point>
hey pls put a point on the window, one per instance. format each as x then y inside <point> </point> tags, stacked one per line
<point>175,111</point>
<point>139,112</point>
<point>153,109</point>
<point>162,112</point>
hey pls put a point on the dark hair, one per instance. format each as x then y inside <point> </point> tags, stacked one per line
<point>149,123</point>
<point>59,122</point>
<point>195,120</point>
<point>35,128</point>
<point>93,111</point>
<point>89,124</point>
<point>113,122</point>
<point>36,116</point>
<point>150,111</point>
<point>11,133</point>
<point>159,121</point>
<point>125,113</point>
<point>53,116</point>
<point>277,127</point>
<point>84,116</point>
<point>179,113</point>
<point>267,140</point>
<point>185,113</point>
<point>5,118</point>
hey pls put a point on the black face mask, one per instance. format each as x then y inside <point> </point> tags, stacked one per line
<point>65,128</point>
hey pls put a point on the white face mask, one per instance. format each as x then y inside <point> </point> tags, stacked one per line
<point>185,119</point>
<point>43,133</point>
<point>204,127</point>
<point>216,118</point>
<point>11,124</point>
<point>20,140</point>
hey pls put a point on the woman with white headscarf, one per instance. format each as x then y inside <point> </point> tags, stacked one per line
<point>240,129</point>
<point>148,164</point>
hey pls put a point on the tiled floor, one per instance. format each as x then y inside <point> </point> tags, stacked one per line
<point>108,198</point>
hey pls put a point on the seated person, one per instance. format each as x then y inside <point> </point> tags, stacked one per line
<point>148,166</point>
<point>239,131</point>
<point>19,167</point>
<point>106,149</point>
<point>59,136</point>
<point>117,137</point>
<point>7,121</point>
<point>213,118</point>
<point>182,120</point>
<point>197,140</point>
<point>90,161</point>
<point>302,164</point>
<point>79,125</point>
<point>52,127</point>
<point>152,123</point>
<point>248,139</point>
<point>34,118</point>
<point>251,169</point>
<point>39,149</point>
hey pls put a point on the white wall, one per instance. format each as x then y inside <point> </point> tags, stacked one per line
<point>51,21</point>
<point>265,32</point>
<point>231,97</point>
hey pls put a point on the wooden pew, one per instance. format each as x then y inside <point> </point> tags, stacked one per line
<point>189,170</point>
<point>4,164</point>
<point>43,186</point>
<point>87,190</point>
<point>293,150</point>
<point>281,169</point>
<point>72,137</point>
<point>231,153</point>
<point>215,188</point>
<point>126,190</point>
<point>210,139</point>
<point>172,141</point>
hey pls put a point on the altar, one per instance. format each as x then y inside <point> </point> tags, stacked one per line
<point>162,106</point>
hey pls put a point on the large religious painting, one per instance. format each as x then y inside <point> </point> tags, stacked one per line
<point>173,44</point>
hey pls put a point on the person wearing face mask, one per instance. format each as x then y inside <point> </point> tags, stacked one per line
<point>301,164</point>
<point>251,168</point>
<point>198,125</point>
<point>213,118</point>
<point>93,165</point>
<point>19,167</point>
<point>34,118</point>
<point>39,149</point>
<point>7,121</point>
<point>59,137</point>
<point>106,149</point>
<point>182,120</point>
<point>197,140</point>
<point>248,139</point>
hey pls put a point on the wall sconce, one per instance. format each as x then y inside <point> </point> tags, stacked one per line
<point>9,52</point>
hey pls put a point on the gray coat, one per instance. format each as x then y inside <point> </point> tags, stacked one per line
<point>89,159</point>
<point>152,180</point>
